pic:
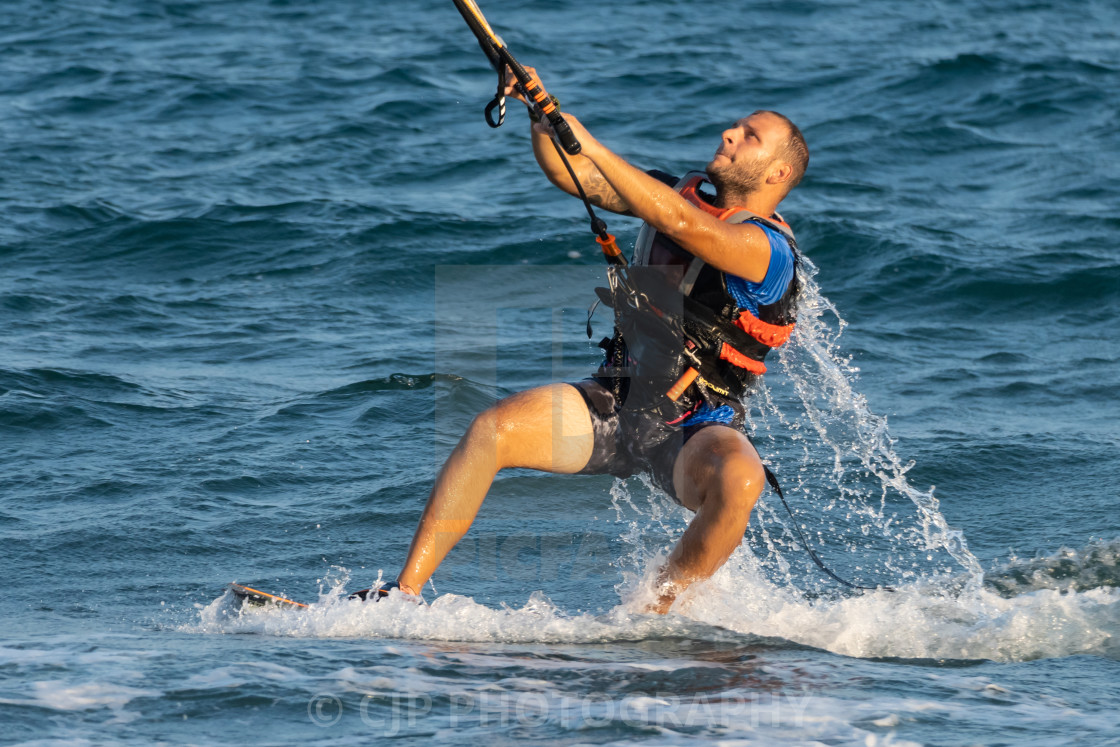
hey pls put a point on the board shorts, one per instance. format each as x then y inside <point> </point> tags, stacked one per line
<point>629,441</point>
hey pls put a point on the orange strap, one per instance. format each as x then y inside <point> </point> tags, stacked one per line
<point>689,192</point>
<point>735,358</point>
<point>770,335</point>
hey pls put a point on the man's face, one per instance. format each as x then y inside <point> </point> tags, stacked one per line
<point>746,151</point>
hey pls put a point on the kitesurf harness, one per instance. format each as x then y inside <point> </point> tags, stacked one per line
<point>682,339</point>
<point>678,319</point>
<point>773,324</point>
<point>733,341</point>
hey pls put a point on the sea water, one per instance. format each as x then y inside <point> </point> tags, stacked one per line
<point>260,263</point>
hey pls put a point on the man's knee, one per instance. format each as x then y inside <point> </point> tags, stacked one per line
<point>720,464</point>
<point>742,480</point>
<point>484,430</point>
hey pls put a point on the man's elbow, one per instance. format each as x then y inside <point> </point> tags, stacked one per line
<point>561,180</point>
<point>679,224</point>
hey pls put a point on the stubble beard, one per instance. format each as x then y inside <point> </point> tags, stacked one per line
<point>737,180</point>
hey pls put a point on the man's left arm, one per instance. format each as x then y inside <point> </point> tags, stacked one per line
<point>740,249</point>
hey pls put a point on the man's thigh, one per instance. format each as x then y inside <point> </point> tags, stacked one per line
<point>546,428</point>
<point>717,458</point>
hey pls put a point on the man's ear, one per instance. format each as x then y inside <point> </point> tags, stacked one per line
<point>780,172</point>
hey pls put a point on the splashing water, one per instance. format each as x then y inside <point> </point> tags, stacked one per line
<point>850,495</point>
<point>1024,618</point>
<point>824,442</point>
<point>836,460</point>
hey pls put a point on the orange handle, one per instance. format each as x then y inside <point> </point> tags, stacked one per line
<point>682,383</point>
<point>609,246</point>
<point>535,90</point>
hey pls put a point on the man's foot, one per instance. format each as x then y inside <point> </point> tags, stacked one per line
<point>666,591</point>
<point>380,593</point>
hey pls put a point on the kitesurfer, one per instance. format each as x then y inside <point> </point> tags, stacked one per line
<point>730,262</point>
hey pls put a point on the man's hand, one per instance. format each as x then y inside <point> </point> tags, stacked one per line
<point>588,142</point>
<point>598,191</point>
<point>511,90</point>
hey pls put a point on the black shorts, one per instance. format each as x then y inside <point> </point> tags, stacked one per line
<point>628,441</point>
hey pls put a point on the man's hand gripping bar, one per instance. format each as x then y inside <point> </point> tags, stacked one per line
<point>530,85</point>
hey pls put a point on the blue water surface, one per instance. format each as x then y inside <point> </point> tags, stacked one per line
<point>261,262</point>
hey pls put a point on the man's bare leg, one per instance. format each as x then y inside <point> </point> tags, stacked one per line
<point>547,428</point>
<point>718,474</point>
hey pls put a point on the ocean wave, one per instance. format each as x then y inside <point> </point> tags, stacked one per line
<point>1096,566</point>
<point>392,383</point>
<point>43,381</point>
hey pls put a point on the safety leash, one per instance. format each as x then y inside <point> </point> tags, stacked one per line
<point>770,478</point>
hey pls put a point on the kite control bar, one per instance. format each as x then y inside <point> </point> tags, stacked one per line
<point>501,59</point>
<point>544,105</point>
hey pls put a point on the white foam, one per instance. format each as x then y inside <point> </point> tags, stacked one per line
<point>240,674</point>
<point>448,617</point>
<point>60,695</point>
<point>66,656</point>
<point>919,621</point>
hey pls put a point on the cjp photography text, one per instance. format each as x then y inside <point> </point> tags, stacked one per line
<point>393,714</point>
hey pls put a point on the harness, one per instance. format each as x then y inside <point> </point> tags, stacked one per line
<point>681,337</point>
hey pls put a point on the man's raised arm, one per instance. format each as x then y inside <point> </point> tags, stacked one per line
<point>740,249</point>
<point>598,190</point>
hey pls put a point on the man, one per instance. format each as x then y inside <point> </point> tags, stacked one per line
<point>694,445</point>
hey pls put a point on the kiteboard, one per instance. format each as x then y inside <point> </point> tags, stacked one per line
<point>257,598</point>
